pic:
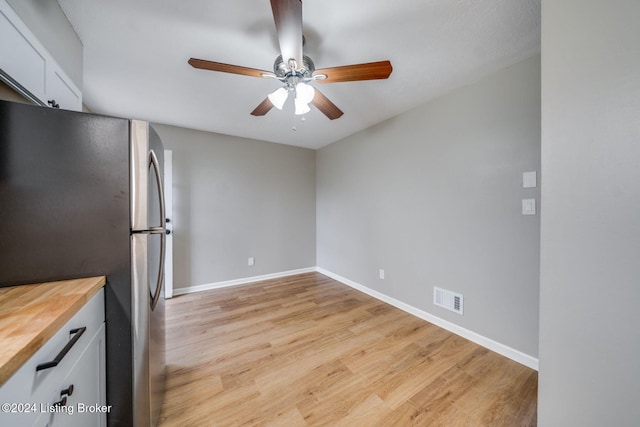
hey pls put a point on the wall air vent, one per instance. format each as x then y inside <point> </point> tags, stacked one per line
<point>447,299</point>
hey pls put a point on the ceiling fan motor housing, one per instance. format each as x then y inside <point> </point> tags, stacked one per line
<point>282,70</point>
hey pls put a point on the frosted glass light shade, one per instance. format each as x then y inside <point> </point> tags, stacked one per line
<point>301,107</point>
<point>305,92</point>
<point>278,97</point>
<point>304,95</point>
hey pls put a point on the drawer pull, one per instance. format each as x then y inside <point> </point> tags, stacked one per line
<point>78,333</point>
<point>61,402</point>
<point>68,391</point>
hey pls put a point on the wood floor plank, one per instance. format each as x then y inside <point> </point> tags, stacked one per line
<point>306,350</point>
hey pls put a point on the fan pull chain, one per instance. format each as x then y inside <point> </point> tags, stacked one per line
<point>303,118</point>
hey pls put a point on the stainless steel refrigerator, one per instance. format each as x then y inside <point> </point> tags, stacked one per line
<point>81,195</point>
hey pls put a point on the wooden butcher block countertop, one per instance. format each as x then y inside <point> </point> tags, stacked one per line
<point>31,314</point>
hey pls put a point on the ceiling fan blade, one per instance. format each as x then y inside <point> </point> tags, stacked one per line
<point>351,73</point>
<point>263,108</point>
<point>327,107</point>
<point>287,15</point>
<point>226,68</point>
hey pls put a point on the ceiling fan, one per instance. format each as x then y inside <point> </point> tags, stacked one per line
<point>296,70</point>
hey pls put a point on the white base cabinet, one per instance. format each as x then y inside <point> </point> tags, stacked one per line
<point>73,393</point>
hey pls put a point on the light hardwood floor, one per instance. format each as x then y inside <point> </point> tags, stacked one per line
<point>309,351</point>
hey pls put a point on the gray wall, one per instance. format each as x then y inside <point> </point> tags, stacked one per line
<point>236,198</point>
<point>50,25</point>
<point>433,196</point>
<point>590,242</point>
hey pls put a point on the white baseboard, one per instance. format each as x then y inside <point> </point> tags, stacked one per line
<point>511,353</point>
<point>242,281</point>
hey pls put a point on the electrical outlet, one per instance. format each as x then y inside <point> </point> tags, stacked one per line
<point>251,261</point>
<point>381,273</point>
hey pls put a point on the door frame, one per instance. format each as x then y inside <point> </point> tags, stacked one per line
<point>168,200</point>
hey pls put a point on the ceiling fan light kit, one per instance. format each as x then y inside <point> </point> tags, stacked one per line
<point>278,97</point>
<point>298,71</point>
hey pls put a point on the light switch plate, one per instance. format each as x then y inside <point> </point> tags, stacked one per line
<point>528,206</point>
<point>529,180</point>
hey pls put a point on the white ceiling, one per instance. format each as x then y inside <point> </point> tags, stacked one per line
<point>136,52</point>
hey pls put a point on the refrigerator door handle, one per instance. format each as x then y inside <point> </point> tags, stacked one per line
<point>158,293</point>
<point>153,162</point>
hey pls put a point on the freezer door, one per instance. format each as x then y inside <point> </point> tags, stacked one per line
<point>139,146</point>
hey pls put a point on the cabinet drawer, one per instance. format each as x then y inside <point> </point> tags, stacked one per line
<point>85,406</point>
<point>30,386</point>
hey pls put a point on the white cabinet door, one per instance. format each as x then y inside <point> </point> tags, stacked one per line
<point>19,57</point>
<point>78,350</point>
<point>26,62</point>
<point>61,91</point>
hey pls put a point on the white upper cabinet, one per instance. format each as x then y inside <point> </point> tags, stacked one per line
<point>25,60</point>
<point>62,91</point>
